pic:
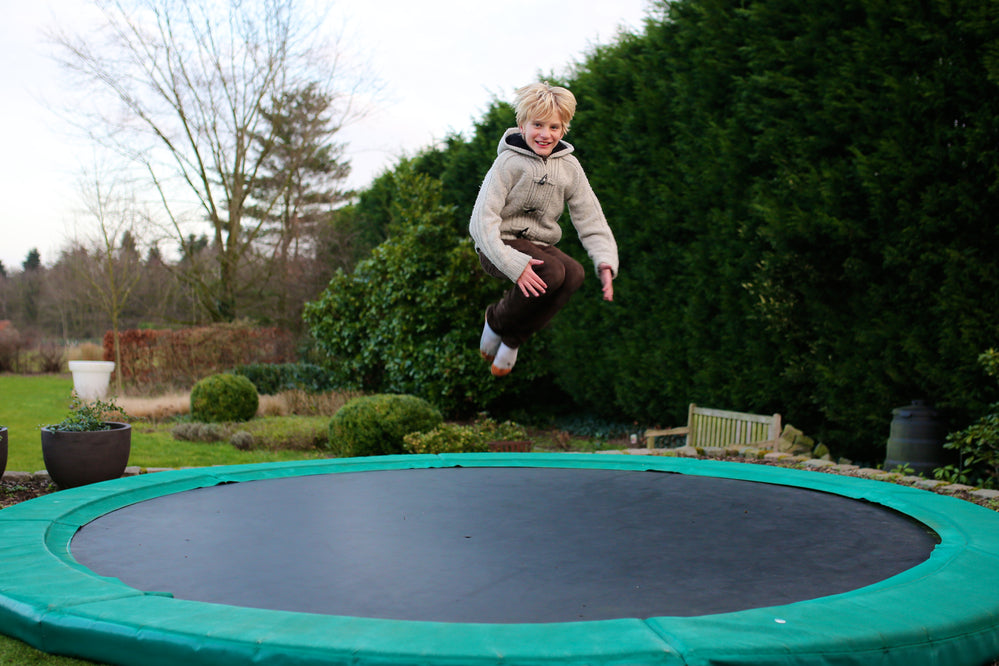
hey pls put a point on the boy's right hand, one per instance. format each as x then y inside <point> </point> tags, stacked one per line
<point>530,283</point>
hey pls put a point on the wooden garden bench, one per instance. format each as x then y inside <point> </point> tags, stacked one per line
<point>717,427</point>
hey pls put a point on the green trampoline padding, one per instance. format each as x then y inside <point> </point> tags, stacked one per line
<point>943,611</point>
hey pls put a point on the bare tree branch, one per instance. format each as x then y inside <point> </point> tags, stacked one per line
<point>180,89</point>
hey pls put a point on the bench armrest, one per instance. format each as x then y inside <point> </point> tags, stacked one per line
<point>650,435</point>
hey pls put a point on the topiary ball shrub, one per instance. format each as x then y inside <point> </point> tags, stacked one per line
<point>376,424</point>
<point>224,398</point>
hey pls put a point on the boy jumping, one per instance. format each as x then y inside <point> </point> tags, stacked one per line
<point>515,224</point>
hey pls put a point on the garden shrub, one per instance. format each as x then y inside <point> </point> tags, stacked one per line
<point>447,438</point>
<point>298,433</point>
<point>223,398</point>
<point>406,320</point>
<point>978,444</point>
<point>377,424</point>
<point>199,432</point>
<point>11,344</point>
<point>242,440</point>
<point>274,378</point>
<point>455,438</point>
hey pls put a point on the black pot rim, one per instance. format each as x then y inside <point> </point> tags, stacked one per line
<point>115,425</point>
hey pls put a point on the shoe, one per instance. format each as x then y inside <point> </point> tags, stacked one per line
<point>489,343</point>
<point>506,357</point>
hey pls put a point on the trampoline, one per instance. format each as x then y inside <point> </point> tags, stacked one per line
<point>502,559</point>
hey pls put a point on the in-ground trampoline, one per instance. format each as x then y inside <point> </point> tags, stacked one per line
<point>502,559</point>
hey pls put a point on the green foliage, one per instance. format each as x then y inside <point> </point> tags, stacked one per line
<point>805,189</point>
<point>447,438</point>
<point>802,202</point>
<point>89,416</point>
<point>457,438</point>
<point>902,470</point>
<point>196,431</point>
<point>463,161</point>
<point>224,397</point>
<point>978,445</point>
<point>276,433</point>
<point>377,424</point>
<point>273,378</point>
<point>408,319</point>
<point>990,361</point>
<point>459,165</point>
<point>952,474</point>
<point>242,440</point>
<point>286,433</point>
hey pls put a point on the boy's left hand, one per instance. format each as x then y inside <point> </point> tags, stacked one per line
<point>606,281</point>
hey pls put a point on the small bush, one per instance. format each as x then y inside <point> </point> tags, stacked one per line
<point>11,345</point>
<point>299,433</point>
<point>199,432</point>
<point>447,438</point>
<point>90,416</point>
<point>241,440</point>
<point>454,438</point>
<point>376,424</point>
<point>224,398</point>
<point>978,444</point>
<point>50,357</point>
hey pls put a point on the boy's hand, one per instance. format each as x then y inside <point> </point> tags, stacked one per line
<point>607,282</point>
<point>530,283</point>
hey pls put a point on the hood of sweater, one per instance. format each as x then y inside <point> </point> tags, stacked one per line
<point>514,140</point>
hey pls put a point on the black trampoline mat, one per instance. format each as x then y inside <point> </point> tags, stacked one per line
<point>502,545</point>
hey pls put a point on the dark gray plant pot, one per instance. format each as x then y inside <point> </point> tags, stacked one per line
<point>77,458</point>
<point>3,451</point>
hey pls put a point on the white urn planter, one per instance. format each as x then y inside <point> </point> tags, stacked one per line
<point>91,378</point>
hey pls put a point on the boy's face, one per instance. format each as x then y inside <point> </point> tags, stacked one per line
<point>542,134</point>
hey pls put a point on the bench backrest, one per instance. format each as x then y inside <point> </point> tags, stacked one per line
<point>718,427</point>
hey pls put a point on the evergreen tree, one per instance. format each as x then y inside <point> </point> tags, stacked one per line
<point>33,261</point>
<point>407,320</point>
<point>300,184</point>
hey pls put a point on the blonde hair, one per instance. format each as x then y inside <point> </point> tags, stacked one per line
<point>540,101</point>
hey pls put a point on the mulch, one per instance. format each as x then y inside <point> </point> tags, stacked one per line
<point>14,492</point>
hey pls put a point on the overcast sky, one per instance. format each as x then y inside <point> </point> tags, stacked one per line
<point>439,66</point>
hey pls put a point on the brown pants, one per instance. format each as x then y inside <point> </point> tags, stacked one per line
<point>516,317</point>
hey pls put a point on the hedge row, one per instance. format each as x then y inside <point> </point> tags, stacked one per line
<point>179,358</point>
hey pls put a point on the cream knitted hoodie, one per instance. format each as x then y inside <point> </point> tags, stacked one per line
<point>523,196</point>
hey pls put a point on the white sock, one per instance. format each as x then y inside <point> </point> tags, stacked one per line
<point>489,343</point>
<point>505,359</point>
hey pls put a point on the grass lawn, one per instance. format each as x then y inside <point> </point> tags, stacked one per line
<point>29,401</point>
<point>13,651</point>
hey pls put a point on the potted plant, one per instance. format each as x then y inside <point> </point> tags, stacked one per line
<point>88,445</point>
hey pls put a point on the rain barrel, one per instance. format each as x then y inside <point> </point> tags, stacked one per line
<point>916,438</point>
